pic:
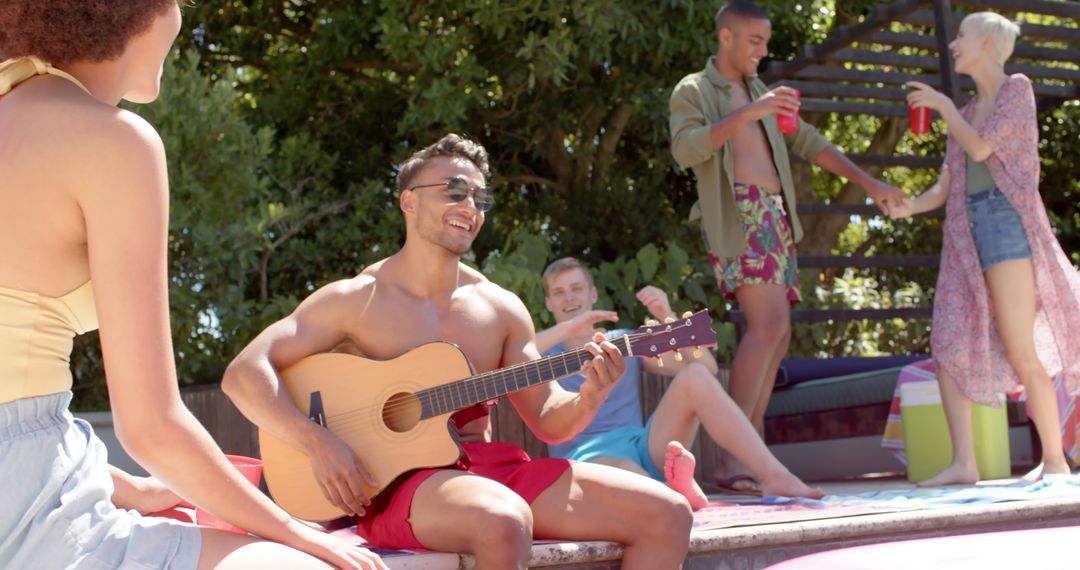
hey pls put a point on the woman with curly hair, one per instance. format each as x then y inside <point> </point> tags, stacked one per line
<point>83,232</point>
<point>1007,302</point>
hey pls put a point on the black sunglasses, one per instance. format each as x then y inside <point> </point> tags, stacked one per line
<point>458,189</point>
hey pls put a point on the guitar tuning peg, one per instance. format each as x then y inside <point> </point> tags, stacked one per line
<point>678,357</point>
<point>697,352</point>
<point>660,362</point>
<point>651,322</point>
<point>687,314</point>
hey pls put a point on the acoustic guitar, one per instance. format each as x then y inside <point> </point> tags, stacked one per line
<point>394,413</point>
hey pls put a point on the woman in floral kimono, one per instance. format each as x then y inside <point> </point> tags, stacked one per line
<point>1007,304</point>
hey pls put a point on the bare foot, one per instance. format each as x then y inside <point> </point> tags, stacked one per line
<point>1045,468</point>
<point>679,467</point>
<point>954,474</point>
<point>732,476</point>
<point>785,484</point>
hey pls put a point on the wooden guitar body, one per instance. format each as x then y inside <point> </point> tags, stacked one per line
<point>370,405</point>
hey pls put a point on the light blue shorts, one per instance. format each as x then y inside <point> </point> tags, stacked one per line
<point>996,228</point>
<point>629,443</point>
<point>57,510</point>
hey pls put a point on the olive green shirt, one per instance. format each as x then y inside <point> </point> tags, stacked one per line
<point>978,176</point>
<point>698,101</point>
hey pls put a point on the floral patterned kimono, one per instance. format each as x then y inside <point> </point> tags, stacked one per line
<point>964,339</point>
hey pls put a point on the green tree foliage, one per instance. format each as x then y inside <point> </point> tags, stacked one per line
<point>284,120</point>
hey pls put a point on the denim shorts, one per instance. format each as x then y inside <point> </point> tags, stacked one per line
<point>996,227</point>
<point>57,510</point>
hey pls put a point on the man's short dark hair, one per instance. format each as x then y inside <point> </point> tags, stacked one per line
<point>738,10</point>
<point>560,266</point>
<point>452,146</point>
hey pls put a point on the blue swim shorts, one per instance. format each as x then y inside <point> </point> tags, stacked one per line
<point>629,443</point>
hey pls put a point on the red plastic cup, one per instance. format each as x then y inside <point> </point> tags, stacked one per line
<point>919,120</point>
<point>789,123</point>
<point>251,469</point>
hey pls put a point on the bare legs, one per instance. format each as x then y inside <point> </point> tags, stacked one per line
<point>757,358</point>
<point>695,396</point>
<point>962,470</point>
<point>222,550</point>
<point>1011,286</point>
<point>458,512</point>
<point>1012,294</point>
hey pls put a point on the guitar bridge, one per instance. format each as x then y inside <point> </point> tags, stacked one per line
<point>316,413</point>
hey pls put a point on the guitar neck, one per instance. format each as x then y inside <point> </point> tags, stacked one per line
<point>650,340</point>
<point>490,385</point>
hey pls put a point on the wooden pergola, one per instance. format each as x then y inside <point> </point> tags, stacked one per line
<point>827,73</point>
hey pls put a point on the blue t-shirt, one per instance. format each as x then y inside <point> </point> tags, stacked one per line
<point>622,407</point>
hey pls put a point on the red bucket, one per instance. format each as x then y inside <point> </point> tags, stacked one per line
<point>251,469</point>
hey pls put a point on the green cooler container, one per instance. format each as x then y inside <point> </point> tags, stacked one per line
<point>926,434</point>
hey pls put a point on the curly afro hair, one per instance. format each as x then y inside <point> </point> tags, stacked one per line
<point>63,31</point>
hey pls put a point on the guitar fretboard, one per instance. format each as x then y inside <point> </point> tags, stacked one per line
<point>490,385</point>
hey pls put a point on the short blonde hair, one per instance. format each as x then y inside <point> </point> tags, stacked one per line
<point>560,266</point>
<point>1001,30</point>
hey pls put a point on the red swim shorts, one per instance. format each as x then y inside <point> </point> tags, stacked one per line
<point>386,525</point>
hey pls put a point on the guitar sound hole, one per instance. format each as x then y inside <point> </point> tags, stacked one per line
<point>402,412</point>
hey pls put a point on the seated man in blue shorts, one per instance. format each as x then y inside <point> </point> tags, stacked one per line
<point>616,436</point>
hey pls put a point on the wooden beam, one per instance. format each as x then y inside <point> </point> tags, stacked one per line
<point>950,84</point>
<point>1043,72</point>
<point>928,18</point>
<point>820,315</point>
<point>1062,9</point>
<point>1039,53</point>
<point>826,89</point>
<point>929,162</point>
<point>836,73</point>
<point>872,261</point>
<point>854,107</point>
<point>876,57</point>
<point>901,39</point>
<point>931,63</point>
<point>885,161</point>
<point>865,210</point>
<point>1050,33</point>
<point>1022,51</point>
<point>817,208</point>
<point>840,38</point>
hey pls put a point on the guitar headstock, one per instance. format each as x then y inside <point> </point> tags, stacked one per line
<point>689,331</point>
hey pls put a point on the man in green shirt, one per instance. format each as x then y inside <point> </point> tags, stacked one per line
<point>724,127</point>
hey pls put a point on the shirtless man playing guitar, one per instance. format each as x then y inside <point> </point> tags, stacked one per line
<point>422,294</point>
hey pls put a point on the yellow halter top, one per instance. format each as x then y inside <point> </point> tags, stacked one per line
<point>36,331</point>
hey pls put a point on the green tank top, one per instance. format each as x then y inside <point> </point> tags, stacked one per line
<point>978,176</point>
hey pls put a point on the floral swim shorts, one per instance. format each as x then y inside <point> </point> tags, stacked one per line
<point>770,249</point>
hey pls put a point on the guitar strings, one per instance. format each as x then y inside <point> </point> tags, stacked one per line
<point>429,398</point>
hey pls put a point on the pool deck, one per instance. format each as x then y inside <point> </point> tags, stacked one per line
<point>754,547</point>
